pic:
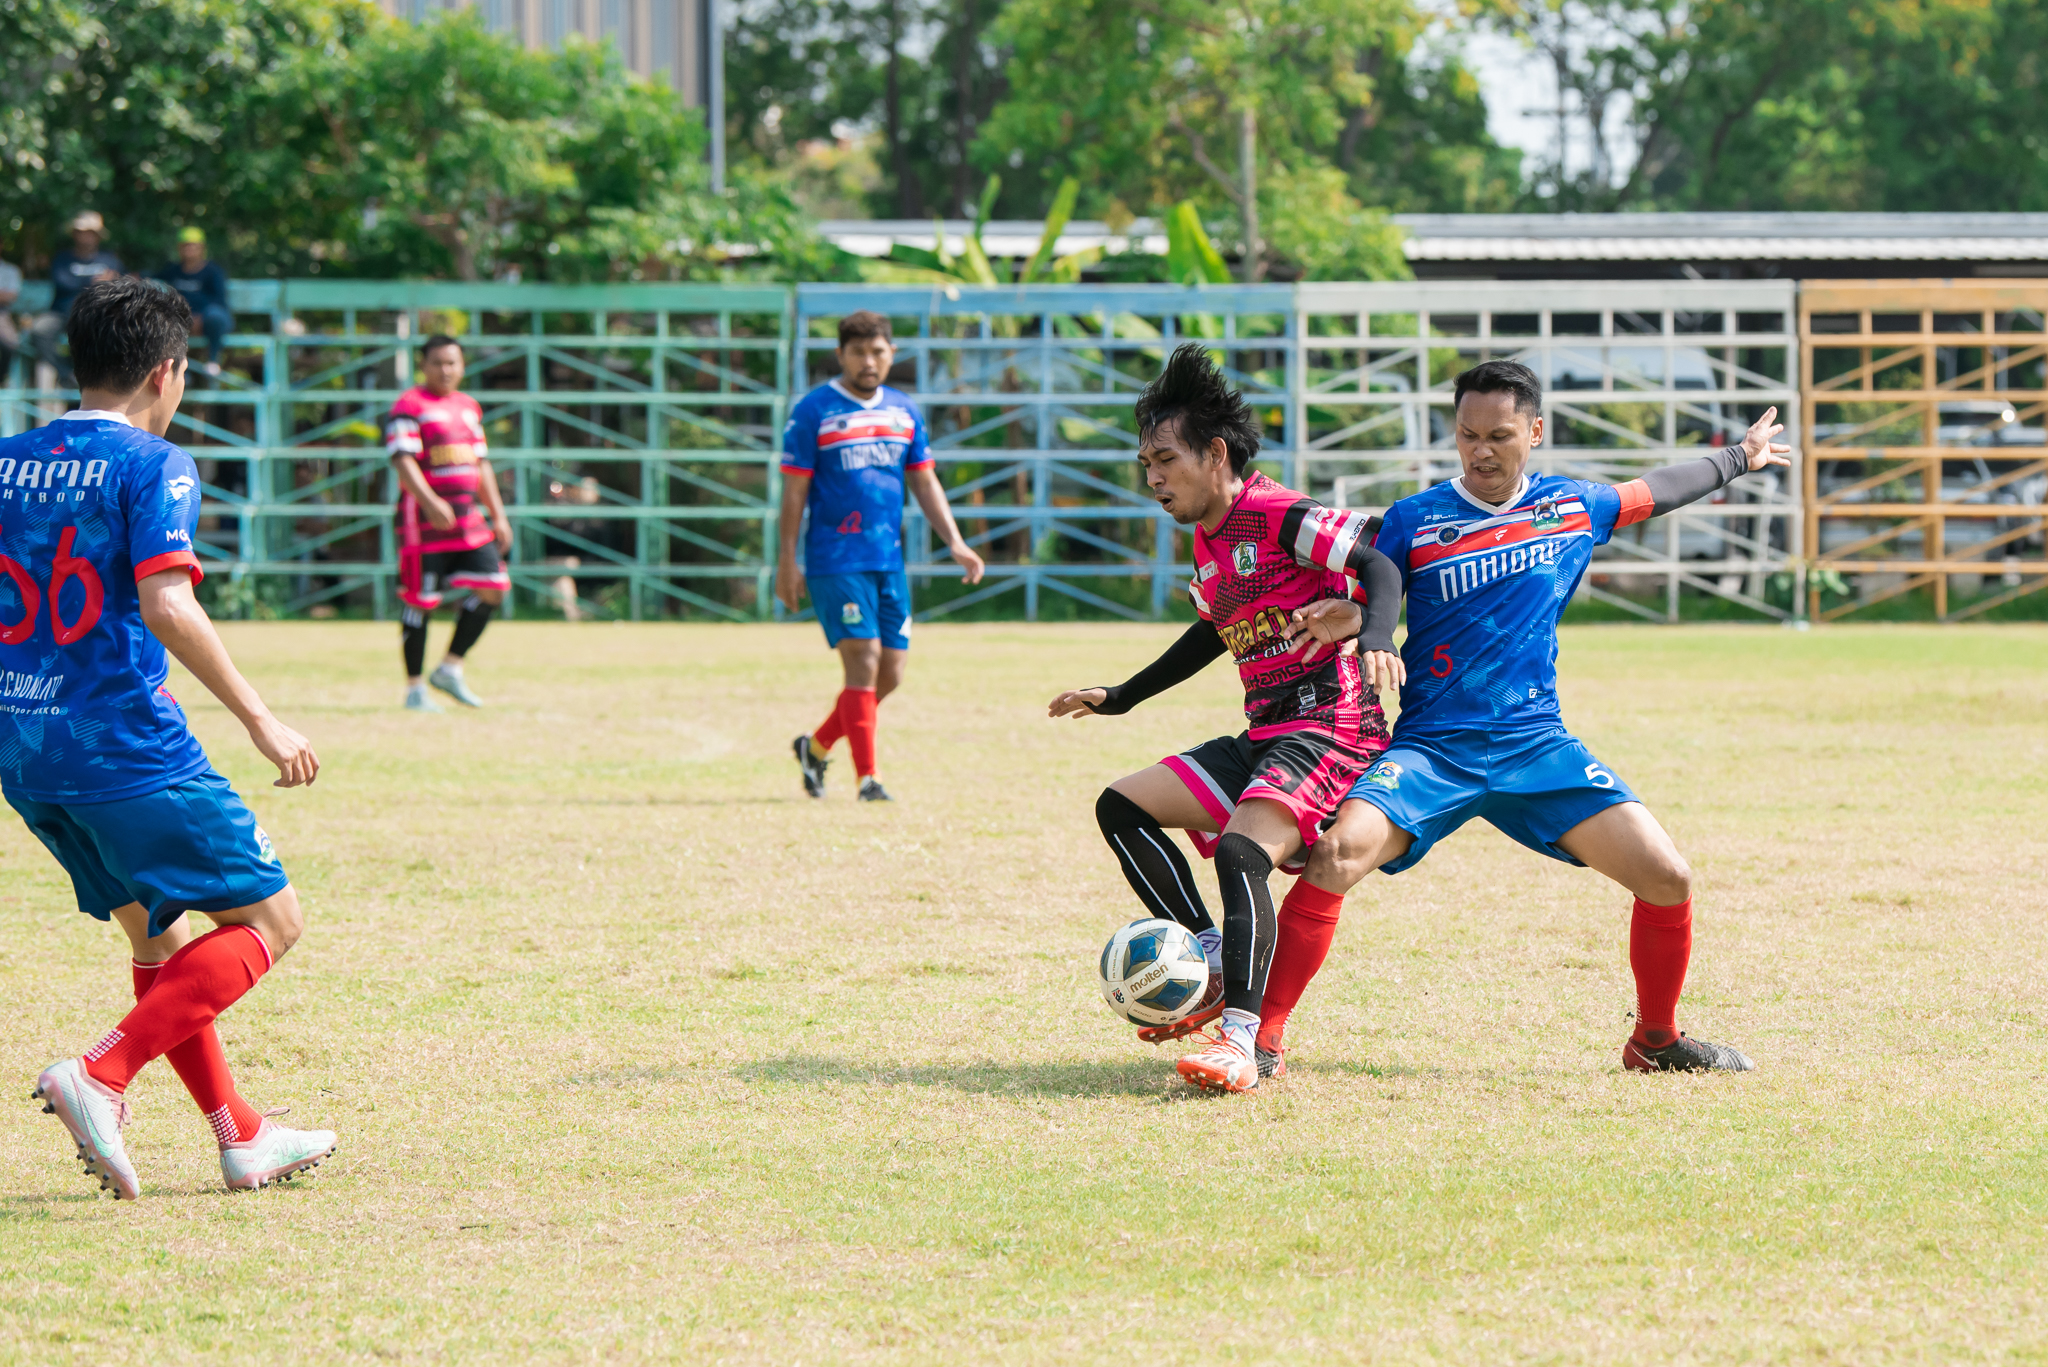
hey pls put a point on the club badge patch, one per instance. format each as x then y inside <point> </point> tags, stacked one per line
<point>1245,557</point>
<point>849,613</point>
<point>1386,774</point>
<point>1547,518</point>
<point>1448,536</point>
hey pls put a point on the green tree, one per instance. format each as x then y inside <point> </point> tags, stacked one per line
<point>1903,105</point>
<point>1243,109</point>
<point>917,76</point>
<point>142,110</point>
<point>325,136</point>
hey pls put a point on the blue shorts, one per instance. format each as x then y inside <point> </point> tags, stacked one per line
<point>863,605</point>
<point>192,847</point>
<point>1531,788</point>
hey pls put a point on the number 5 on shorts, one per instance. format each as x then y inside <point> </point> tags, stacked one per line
<point>1596,775</point>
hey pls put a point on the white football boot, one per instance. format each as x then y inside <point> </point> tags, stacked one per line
<point>94,1113</point>
<point>276,1154</point>
<point>448,678</point>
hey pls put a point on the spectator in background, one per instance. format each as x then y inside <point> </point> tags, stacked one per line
<point>71,272</point>
<point>205,287</point>
<point>10,290</point>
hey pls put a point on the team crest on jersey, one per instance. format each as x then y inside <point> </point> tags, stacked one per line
<point>1245,557</point>
<point>1448,535</point>
<point>1386,774</point>
<point>1547,518</point>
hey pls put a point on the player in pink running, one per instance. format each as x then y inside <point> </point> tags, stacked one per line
<point>452,527</point>
<point>1262,554</point>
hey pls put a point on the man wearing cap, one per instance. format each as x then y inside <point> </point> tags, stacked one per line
<point>205,287</point>
<point>71,272</point>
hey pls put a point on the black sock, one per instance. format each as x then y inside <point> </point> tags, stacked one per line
<point>1249,927</point>
<point>1157,871</point>
<point>412,629</point>
<point>476,615</point>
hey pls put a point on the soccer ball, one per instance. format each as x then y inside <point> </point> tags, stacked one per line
<point>1154,972</point>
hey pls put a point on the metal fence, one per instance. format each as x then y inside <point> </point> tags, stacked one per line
<point>1635,375</point>
<point>635,426</point>
<point>639,423</point>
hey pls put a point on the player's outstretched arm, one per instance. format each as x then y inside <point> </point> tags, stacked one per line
<point>174,616</point>
<point>931,496</point>
<point>1674,486</point>
<point>1184,659</point>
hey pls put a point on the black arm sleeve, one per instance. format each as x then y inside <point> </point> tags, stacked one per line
<point>1184,659</point>
<point>1674,486</point>
<point>1380,578</point>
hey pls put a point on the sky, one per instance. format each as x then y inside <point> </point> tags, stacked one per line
<point>1521,94</point>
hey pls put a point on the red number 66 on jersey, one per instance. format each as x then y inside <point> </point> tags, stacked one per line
<point>64,566</point>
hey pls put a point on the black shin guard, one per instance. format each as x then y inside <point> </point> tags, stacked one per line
<point>412,629</point>
<point>476,615</point>
<point>1153,864</point>
<point>1249,926</point>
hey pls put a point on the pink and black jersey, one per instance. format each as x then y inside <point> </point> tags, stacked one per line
<point>445,434</point>
<point>1278,550</point>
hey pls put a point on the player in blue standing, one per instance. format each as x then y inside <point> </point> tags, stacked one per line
<point>1488,562</point>
<point>97,512</point>
<point>852,446</point>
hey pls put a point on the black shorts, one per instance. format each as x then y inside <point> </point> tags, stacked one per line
<point>423,575</point>
<point>1308,772</point>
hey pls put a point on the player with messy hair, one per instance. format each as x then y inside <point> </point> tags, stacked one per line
<point>1262,554</point>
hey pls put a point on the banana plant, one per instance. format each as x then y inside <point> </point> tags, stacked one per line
<point>906,265</point>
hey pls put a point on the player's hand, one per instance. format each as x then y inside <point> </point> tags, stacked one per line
<point>441,514</point>
<point>789,584</point>
<point>1329,622</point>
<point>971,565</point>
<point>503,529</point>
<point>1077,702</point>
<point>1383,668</point>
<point>1759,447</point>
<point>291,752</point>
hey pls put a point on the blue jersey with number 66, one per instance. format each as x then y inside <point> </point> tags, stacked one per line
<point>89,507</point>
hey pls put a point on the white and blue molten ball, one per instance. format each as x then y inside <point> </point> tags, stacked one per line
<point>1154,972</point>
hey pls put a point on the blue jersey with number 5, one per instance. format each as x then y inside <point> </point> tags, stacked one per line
<point>89,507</point>
<point>1485,587</point>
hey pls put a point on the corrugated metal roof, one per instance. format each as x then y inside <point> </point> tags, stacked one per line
<point>1562,237</point>
<point>1725,237</point>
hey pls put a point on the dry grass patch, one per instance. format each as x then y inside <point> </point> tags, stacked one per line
<point>637,1054</point>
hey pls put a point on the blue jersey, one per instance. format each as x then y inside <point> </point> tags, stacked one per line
<point>1485,587</point>
<point>856,455</point>
<point>90,506</point>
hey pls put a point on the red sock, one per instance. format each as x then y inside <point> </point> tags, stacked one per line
<point>1659,948</point>
<point>202,1066</point>
<point>194,985</point>
<point>1307,922</point>
<point>832,728</point>
<point>857,716</point>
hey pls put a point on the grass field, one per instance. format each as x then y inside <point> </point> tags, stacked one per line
<point>636,1053</point>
